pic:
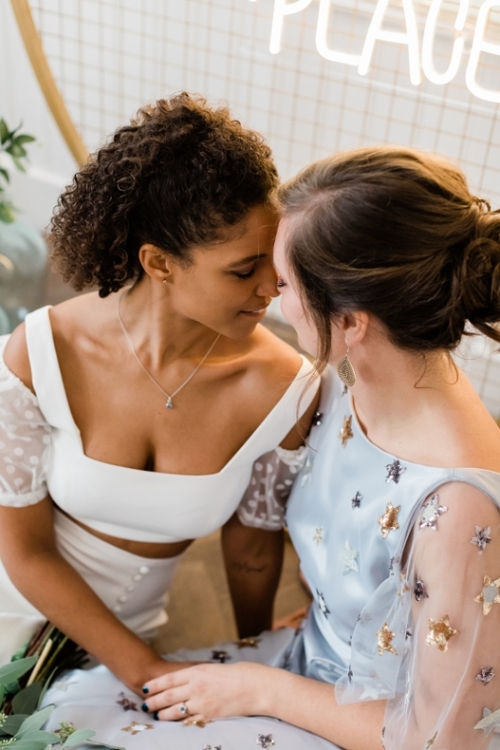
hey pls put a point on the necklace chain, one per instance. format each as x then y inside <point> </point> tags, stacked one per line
<point>169,404</point>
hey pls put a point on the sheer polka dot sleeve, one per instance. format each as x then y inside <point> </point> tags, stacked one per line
<point>273,476</point>
<point>24,441</point>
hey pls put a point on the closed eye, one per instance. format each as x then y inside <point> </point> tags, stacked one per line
<point>246,274</point>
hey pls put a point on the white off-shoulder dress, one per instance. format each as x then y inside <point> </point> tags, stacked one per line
<point>406,606</point>
<point>42,453</point>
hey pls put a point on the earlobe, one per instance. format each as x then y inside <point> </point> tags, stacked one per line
<point>155,262</point>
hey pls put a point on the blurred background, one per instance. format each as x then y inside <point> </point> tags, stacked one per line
<point>314,76</point>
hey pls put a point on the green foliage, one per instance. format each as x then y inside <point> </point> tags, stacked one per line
<point>38,663</point>
<point>13,143</point>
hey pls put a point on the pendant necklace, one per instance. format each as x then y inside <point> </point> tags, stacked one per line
<point>169,403</point>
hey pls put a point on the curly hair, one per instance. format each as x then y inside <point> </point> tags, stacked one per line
<point>177,177</point>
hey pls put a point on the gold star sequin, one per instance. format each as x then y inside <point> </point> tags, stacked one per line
<point>384,640</point>
<point>248,643</point>
<point>346,432</point>
<point>389,520</point>
<point>440,633</point>
<point>135,727</point>
<point>490,594</point>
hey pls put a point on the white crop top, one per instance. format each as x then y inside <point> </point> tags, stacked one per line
<point>42,453</point>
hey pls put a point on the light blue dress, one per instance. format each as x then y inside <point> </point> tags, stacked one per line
<point>387,621</point>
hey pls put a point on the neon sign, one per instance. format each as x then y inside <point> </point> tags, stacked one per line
<point>421,58</point>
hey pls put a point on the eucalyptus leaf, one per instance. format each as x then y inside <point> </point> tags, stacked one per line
<point>98,745</point>
<point>5,174</point>
<point>12,723</point>
<point>16,150</point>
<point>2,693</point>
<point>79,736</point>
<point>24,139</point>
<point>29,745</point>
<point>18,163</point>
<point>15,670</point>
<point>4,131</point>
<point>26,701</point>
<point>36,721</point>
<point>6,213</point>
<point>40,736</point>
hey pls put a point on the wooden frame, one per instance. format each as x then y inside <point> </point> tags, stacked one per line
<point>53,97</point>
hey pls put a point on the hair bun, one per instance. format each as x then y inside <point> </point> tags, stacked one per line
<point>479,272</point>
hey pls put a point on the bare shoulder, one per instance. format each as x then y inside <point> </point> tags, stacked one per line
<point>16,356</point>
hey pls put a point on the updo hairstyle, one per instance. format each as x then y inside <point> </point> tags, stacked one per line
<point>396,233</point>
<point>179,176</point>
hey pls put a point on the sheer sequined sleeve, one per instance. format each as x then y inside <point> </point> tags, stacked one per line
<point>446,622</point>
<point>273,476</point>
<point>24,441</point>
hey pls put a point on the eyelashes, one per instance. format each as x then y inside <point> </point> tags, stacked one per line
<point>280,283</point>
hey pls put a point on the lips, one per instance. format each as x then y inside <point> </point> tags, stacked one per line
<point>259,311</point>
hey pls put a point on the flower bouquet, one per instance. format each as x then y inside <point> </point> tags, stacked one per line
<point>23,684</point>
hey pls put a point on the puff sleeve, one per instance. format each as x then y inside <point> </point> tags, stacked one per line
<point>272,479</point>
<point>24,441</point>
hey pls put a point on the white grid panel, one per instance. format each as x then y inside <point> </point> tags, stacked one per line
<point>111,56</point>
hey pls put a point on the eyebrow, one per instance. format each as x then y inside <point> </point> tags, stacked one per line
<point>248,259</point>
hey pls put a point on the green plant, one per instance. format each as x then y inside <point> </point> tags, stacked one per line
<point>12,142</point>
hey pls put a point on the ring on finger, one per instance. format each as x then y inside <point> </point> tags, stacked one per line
<point>183,709</point>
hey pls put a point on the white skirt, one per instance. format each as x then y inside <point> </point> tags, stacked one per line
<point>134,588</point>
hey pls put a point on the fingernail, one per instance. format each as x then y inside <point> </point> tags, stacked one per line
<point>145,707</point>
<point>155,716</point>
<point>145,689</point>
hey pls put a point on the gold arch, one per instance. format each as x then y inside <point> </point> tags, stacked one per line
<point>46,80</point>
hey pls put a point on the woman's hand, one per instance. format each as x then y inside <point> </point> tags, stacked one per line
<point>209,691</point>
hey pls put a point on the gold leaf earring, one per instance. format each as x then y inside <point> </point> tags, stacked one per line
<point>346,370</point>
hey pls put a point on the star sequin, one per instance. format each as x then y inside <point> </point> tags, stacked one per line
<point>431,512</point>
<point>394,471</point>
<point>212,747</point>
<point>265,740</point>
<point>344,390</point>
<point>384,640</point>
<point>431,741</point>
<point>348,559</point>
<point>135,727</point>
<point>396,559</point>
<point>440,632</point>
<point>489,722</point>
<point>220,656</point>
<point>317,419</point>
<point>364,618</point>
<point>490,594</point>
<point>318,536</point>
<point>346,432</point>
<point>322,604</point>
<point>356,500</point>
<point>419,590</point>
<point>248,642</point>
<point>126,703</point>
<point>389,520</point>
<point>404,585</point>
<point>373,691</point>
<point>482,538</point>
<point>350,674</point>
<point>485,675</point>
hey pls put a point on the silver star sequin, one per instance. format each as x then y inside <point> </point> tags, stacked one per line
<point>485,675</point>
<point>489,722</point>
<point>318,536</point>
<point>265,740</point>
<point>322,604</point>
<point>482,538</point>
<point>489,595</point>
<point>394,471</point>
<point>356,500</point>
<point>350,674</point>
<point>431,512</point>
<point>348,559</point>
<point>373,691</point>
<point>419,590</point>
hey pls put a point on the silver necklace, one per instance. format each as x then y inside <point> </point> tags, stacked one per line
<point>169,403</point>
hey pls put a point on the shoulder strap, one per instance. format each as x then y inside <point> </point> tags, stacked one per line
<point>45,372</point>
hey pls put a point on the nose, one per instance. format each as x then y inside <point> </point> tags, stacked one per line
<point>267,280</point>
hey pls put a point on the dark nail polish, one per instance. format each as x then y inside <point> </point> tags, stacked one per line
<point>145,689</point>
<point>155,716</point>
<point>145,707</point>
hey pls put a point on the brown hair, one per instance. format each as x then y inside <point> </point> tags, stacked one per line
<point>396,233</point>
<point>177,177</point>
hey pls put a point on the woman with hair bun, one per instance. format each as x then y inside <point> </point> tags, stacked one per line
<point>131,417</point>
<point>384,258</point>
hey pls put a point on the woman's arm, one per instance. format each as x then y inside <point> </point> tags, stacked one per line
<point>212,691</point>
<point>29,553</point>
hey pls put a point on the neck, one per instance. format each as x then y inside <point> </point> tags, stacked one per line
<point>160,333</point>
<point>397,392</point>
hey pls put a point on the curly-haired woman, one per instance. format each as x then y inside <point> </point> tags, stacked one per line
<point>131,417</point>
